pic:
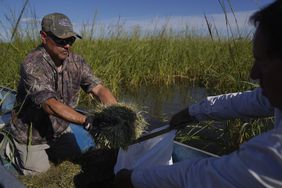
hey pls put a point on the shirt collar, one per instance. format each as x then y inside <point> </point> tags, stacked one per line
<point>48,58</point>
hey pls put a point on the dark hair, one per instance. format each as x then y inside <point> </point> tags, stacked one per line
<point>269,21</point>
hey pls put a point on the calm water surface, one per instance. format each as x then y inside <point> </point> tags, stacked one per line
<point>163,102</point>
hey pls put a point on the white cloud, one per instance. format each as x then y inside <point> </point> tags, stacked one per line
<point>28,20</point>
<point>177,24</point>
<point>196,24</point>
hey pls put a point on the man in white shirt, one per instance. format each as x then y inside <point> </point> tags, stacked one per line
<point>258,162</point>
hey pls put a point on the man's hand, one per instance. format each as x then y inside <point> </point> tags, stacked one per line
<point>89,123</point>
<point>123,179</point>
<point>181,118</point>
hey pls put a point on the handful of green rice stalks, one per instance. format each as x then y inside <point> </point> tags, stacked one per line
<point>118,125</point>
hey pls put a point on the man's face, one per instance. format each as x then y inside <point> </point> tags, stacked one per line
<point>57,48</point>
<point>267,70</point>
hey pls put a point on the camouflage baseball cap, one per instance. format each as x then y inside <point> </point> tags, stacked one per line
<point>58,24</point>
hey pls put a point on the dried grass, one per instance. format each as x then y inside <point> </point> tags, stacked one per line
<point>57,176</point>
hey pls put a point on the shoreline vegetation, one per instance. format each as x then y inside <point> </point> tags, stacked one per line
<point>126,62</point>
<point>128,58</point>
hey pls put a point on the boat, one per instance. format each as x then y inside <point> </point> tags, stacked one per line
<point>7,171</point>
<point>180,151</point>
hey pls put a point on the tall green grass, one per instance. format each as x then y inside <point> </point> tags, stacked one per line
<point>159,60</point>
<point>125,58</point>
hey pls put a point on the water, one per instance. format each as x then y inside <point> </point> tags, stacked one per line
<point>163,102</point>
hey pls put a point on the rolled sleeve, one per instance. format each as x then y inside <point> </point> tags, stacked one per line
<point>40,97</point>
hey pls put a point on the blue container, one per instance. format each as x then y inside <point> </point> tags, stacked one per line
<point>83,138</point>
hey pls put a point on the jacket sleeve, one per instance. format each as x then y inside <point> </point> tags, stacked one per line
<point>247,104</point>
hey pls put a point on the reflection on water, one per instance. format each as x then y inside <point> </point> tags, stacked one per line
<point>163,102</point>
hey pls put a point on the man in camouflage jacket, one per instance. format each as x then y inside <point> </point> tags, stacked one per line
<point>51,77</point>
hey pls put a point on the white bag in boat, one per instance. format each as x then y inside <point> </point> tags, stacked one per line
<point>155,151</point>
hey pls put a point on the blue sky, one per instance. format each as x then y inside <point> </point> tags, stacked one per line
<point>148,14</point>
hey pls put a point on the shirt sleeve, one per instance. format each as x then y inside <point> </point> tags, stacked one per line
<point>89,80</point>
<point>37,84</point>
<point>248,104</point>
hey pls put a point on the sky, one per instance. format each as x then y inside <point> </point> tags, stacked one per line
<point>148,15</point>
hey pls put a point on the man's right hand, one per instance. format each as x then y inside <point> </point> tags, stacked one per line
<point>181,118</point>
<point>89,123</point>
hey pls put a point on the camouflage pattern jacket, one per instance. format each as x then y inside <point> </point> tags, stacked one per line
<point>40,81</point>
